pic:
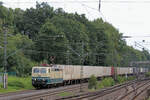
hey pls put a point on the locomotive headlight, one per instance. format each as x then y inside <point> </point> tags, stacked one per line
<point>35,79</point>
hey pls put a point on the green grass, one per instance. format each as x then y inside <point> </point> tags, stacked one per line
<point>17,84</point>
<point>63,94</point>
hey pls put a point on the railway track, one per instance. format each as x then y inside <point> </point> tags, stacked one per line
<point>52,94</point>
<point>135,93</point>
<point>18,92</point>
<point>105,92</point>
<point>46,94</point>
<point>127,95</point>
<point>138,94</point>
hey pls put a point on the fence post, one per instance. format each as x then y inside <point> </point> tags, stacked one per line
<point>5,78</point>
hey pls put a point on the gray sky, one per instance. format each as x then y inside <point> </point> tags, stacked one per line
<point>130,17</point>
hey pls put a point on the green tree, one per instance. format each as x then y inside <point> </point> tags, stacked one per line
<point>50,42</point>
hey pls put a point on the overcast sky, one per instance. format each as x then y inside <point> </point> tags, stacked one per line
<point>130,17</point>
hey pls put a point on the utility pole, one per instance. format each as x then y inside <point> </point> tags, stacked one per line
<point>67,56</point>
<point>99,6</point>
<point>5,59</point>
<point>67,61</point>
<point>81,70</point>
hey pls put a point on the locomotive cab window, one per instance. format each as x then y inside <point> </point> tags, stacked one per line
<point>36,70</point>
<point>43,70</point>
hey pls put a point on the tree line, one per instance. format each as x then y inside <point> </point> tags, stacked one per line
<point>36,35</point>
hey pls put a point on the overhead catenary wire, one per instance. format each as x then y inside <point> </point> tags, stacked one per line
<point>86,1</point>
<point>96,10</point>
<point>86,6</point>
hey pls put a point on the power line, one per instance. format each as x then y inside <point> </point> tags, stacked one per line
<point>96,10</point>
<point>136,36</point>
<point>108,1</point>
<point>141,46</point>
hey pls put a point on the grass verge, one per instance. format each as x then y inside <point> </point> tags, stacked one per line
<point>17,84</point>
<point>64,94</point>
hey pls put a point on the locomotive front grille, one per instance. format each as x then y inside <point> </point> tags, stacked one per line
<point>36,81</point>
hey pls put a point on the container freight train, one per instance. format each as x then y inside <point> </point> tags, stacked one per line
<point>48,76</point>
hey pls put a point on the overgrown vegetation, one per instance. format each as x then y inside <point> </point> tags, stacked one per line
<point>107,82</point>
<point>122,79</point>
<point>35,35</point>
<point>92,82</point>
<point>17,84</point>
<point>147,74</point>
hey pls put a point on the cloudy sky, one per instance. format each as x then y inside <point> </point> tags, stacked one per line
<point>131,17</point>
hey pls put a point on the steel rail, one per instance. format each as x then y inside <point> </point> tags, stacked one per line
<point>97,94</point>
<point>17,92</point>
<point>140,86</point>
<point>101,92</point>
<point>138,94</point>
<point>49,93</point>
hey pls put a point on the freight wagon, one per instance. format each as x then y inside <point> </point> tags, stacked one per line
<point>43,76</point>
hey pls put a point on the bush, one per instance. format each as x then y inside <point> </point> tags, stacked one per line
<point>106,82</point>
<point>99,85</point>
<point>92,82</point>
<point>147,74</point>
<point>121,79</point>
<point>131,78</point>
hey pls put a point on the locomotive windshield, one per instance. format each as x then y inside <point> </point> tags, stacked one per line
<point>43,70</point>
<point>39,70</point>
<point>36,70</point>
